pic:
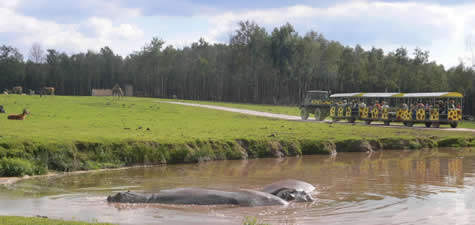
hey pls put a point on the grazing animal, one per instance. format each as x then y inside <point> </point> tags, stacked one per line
<point>117,91</point>
<point>19,116</point>
<point>17,90</point>
<point>47,91</point>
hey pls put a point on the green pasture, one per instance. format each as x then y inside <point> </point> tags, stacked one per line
<point>73,133</point>
<point>102,119</point>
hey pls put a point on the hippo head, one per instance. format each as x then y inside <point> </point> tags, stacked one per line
<point>294,195</point>
<point>302,196</point>
<point>129,197</point>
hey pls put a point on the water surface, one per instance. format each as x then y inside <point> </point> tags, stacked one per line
<point>389,187</point>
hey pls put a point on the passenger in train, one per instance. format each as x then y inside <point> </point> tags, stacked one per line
<point>442,107</point>
<point>428,107</point>
<point>413,111</point>
<point>420,105</point>
<point>404,106</point>
<point>362,104</point>
<point>452,104</point>
<point>385,105</point>
<point>377,105</point>
<point>354,104</point>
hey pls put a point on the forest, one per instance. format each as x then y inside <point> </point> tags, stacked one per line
<point>255,66</point>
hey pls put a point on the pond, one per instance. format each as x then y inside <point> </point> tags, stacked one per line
<point>397,187</point>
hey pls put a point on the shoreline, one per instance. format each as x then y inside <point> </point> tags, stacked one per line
<point>13,180</point>
<point>120,156</point>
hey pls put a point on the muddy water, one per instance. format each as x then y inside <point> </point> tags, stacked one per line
<point>391,187</point>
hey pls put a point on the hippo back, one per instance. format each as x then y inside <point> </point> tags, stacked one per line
<point>291,184</point>
<point>196,196</point>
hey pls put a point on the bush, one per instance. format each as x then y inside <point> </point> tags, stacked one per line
<point>10,167</point>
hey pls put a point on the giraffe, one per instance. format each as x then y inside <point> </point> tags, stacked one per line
<point>117,91</point>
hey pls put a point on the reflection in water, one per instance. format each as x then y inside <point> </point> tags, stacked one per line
<point>397,187</point>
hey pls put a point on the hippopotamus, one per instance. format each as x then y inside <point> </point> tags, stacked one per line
<point>278,193</point>
<point>291,190</point>
<point>201,196</point>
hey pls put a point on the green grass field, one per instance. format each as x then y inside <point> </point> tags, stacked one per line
<point>70,133</point>
<point>60,118</point>
<point>18,220</point>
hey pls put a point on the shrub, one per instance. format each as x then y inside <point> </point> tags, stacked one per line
<point>10,167</point>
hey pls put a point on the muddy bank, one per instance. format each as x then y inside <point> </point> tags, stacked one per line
<point>22,159</point>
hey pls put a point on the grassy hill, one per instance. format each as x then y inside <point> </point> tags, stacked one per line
<point>73,133</point>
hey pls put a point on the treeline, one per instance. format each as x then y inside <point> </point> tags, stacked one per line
<point>256,66</point>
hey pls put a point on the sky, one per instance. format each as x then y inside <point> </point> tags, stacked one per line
<point>444,28</point>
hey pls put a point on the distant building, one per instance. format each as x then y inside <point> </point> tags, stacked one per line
<point>128,90</point>
<point>101,92</point>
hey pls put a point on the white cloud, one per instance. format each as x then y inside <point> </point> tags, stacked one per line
<point>71,38</point>
<point>9,4</point>
<point>441,29</point>
<point>104,29</point>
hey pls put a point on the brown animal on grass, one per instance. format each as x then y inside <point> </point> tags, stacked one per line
<point>117,91</point>
<point>19,116</point>
<point>17,90</point>
<point>47,91</point>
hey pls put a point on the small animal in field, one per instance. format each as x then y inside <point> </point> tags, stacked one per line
<point>19,116</point>
<point>2,110</point>
<point>117,91</point>
<point>17,90</point>
<point>47,91</point>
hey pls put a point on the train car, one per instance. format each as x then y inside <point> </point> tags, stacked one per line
<point>430,108</point>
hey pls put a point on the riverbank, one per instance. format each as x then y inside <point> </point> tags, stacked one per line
<point>18,220</point>
<point>87,133</point>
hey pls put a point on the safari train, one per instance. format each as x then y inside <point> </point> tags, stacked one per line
<point>430,108</point>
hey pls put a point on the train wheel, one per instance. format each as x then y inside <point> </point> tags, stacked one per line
<point>453,124</point>
<point>428,125</point>
<point>387,123</point>
<point>351,120</point>
<point>409,124</point>
<point>436,125</point>
<point>367,122</point>
<point>304,114</point>
<point>318,114</point>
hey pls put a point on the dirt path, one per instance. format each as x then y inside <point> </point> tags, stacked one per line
<point>297,118</point>
<point>236,110</point>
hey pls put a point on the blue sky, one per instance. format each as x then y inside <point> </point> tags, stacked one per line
<point>442,27</point>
